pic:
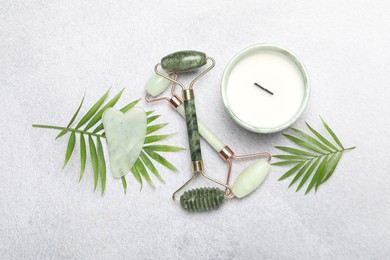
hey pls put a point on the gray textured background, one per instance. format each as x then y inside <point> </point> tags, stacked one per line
<point>51,52</point>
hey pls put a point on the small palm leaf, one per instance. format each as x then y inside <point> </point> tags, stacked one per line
<point>294,151</point>
<point>71,120</point>
<point>145,159</point>
<point>291,171</point>
<point>315,160</point>
<point>83,155</point>
<point>102,164</point>
<point>308,173</point>
<point>332,134</point>
<point>162,148</point>
<point>69,149</point>
<point>323,139</point>
<point>332,166</point>
<point>152,118</point>
<point>299,174</point>
<point>154,128</point>
<point>158,158</point>
<point>98,116</point>
<point>142,170</point>
<point>92,110</point>
<point>148,113</point>
<point>136,174</point>
<point>124,184</point>
<point>155,138</point>
<point>95,162</point>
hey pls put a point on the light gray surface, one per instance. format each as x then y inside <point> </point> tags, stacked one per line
<point>51,52</point>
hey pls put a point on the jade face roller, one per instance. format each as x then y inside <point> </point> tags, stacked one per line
<point>184,61</point>
<point>250,178</point>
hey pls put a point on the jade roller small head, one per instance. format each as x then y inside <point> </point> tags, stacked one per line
<point>184,61</point>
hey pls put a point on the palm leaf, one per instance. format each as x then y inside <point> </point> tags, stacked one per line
<point>312,140</point>
<point>150,166</point>
<point>318,174</point>
<point>129,106</point>
<point>332,133</point>
<point>163,148</point>
<point>294,151</point>
<point>332,167</point>
<point>323,173</point>
<point>321,137</point>
<point>299,174</point>
<point>308,173</point>
<point>291,171</point>
<point>158,158</point>
<point>73,118</point>
<point>303,143</point>
<point>285,163</point>
<point>153,128</point>
<point>98,116</point>
<point>152,118</point>
<point>155,138</point>
<point>95,161</point>
<point>83,156</point>
<point>124,184</point>
<point>70,147</point>
<point>291,157</point>
<point>92,118</point>
<point>136,174</point>
<point>102,164</point>
<point>315,159</point>
<point>92,110</point>
<point>148,113</point>
<point>142,170</point>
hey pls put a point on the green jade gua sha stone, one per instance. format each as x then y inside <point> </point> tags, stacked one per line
<point>125,133</point>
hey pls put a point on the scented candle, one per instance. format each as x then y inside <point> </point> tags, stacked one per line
<point>265,88</point>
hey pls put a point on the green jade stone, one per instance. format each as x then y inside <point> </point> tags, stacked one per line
<point>183,61</point>
<point>202,199</point>
<point>192,130</point>
<point>156,85</point>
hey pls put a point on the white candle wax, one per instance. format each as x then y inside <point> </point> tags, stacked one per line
<point>275,70</point>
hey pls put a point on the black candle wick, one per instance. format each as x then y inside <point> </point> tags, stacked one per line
<point>266,90</point>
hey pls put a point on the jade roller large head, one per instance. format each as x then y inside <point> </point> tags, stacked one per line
<point>184,61</point>
<point>250,178</point>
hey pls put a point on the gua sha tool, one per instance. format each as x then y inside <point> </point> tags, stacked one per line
<point>125,133</point>
<point>184,61</point>
<point>248,180</point>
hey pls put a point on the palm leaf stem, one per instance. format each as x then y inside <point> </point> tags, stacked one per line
<point>68,129</point>
<point>333,152</point>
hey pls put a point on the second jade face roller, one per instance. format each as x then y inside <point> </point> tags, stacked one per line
<point>252,176</point>
<point>203,198</point>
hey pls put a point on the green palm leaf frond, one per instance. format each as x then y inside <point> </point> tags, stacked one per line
<point>143,166</point>
<point>315,160</point>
